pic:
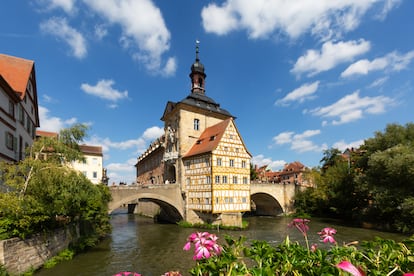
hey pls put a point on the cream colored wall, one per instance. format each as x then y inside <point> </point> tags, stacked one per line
<point>196,170</point>
<point>230,197</point>
<point>219,197</point>
<point>186,134</point>
<point>93,164</point>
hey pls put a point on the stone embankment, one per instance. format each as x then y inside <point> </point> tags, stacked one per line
<point>19,256</point>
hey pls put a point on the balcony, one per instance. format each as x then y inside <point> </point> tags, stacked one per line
<point>170,156</point>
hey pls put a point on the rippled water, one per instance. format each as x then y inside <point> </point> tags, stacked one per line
<point>138,244</point>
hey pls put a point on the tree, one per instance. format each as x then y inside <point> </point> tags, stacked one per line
<point>42,192</point>
<point>253,173</point>
<point>374,184</point>
<point>330,158</point>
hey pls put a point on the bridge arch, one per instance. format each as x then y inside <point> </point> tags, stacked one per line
<point>272,198</point>
<point>265,204</point>
<point>167,197</point>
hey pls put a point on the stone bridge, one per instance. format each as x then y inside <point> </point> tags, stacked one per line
<point>167,200</point>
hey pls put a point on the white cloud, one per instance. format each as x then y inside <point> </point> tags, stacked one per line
<point>54,124</point>
<point>331,54</point>
<point>170,67</point>
<point>59,27</point>
<point>142,25</point>
<point>378,82</point>
<point>67,5</point>
<point>300,94</point>
<point>100,31</point>
<point>342,146</point>
<point>122,172</point>
<point>263,18</point>
<point>103,89</point>
<point>353,107</point>
<point>125,172</point>
<point>153,133</point>
<point>388,6</point>
<point>283,138</point>
<point>47,99</point>
<point>260,161</point>
<point>299,142</point>
<point>392,62</point>
<point>138,145</point>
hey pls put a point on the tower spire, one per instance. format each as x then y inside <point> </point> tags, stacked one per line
<point>197,49</point>
<point>197,74</point>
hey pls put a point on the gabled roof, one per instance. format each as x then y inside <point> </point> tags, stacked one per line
<point>292,167</point>
<point>209,139</point>
<point>8,89</point>
<point>16,71</point>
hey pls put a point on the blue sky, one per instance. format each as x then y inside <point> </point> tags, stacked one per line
<point>300,76</point>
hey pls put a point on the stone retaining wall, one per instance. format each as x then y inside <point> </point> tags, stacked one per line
<point>19,256</point>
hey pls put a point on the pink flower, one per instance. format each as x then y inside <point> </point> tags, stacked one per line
<point>205,245</point>
<point>348,267</point>
<point>327,234</point>
<point>314,247</point>
<point>301,224</point>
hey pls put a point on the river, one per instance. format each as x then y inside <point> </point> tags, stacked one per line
<point>138,244</point>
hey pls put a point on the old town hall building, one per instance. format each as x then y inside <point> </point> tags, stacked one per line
<point>203,152</point>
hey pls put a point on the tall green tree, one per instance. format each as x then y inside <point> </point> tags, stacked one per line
<point>373,183</point>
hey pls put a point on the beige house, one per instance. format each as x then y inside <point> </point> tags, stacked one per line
<point>91,167</point>
<point>19,114</point>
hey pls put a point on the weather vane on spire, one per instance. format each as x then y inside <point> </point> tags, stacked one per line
<point>197,44</point>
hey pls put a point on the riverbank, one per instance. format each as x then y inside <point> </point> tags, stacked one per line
<point>18,256</point>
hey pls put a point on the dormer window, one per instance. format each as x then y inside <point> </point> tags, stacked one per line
<point>212,138</point>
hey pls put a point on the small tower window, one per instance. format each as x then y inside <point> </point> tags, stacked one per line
<point>196,124</point>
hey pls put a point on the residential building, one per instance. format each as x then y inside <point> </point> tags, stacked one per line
<point>19,114</point>
<point>294,172</point>
<point>266,175</point>
<point>201,150</point>
<point>91,166</point>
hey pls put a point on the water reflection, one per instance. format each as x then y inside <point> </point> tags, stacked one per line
<point>138,244</point>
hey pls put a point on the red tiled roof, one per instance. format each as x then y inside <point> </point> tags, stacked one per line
<point>16,71</point>
<point>293,167</point>
<point>42,133</point>
<point>93,150</point>
<point>209,139</point>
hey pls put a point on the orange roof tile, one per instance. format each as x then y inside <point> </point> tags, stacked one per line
<point>92,150</point>
<point>42,133</point>
<point>16,71</point>
<point>209,139</point>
